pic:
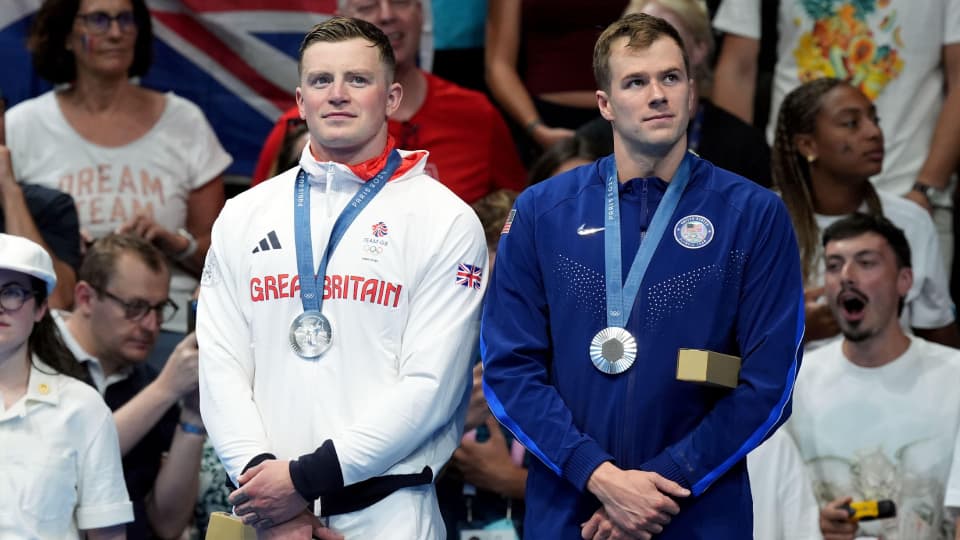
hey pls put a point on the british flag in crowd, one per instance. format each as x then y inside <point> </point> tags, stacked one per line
<point>380,229</point>
<point>469,275</point>
<point>236,59</point>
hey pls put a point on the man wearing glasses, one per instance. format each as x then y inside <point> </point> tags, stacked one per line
<point>121,299</point>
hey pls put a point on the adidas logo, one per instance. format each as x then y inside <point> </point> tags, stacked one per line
<point>269,242</point>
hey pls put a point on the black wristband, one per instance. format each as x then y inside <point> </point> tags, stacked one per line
<point>530,126</point>
<point>924,189</point>
<point>317,473</point>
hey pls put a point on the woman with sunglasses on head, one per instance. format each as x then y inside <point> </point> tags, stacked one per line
<point>60,470</point>
<point>135,160</point>
<point>828,144</point>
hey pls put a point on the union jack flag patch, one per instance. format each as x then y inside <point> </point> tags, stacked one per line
<point>469,276</point>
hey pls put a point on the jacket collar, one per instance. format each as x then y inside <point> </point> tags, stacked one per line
<point>365,170</point>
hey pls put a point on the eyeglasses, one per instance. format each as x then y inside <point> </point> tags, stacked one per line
<point>138,309</point>
<point>99,22</point>
<point>12,297</point>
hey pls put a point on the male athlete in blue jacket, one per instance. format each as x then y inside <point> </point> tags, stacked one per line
<point>579,341</point>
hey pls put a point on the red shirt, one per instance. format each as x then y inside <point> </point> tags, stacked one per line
<point>471,150</point>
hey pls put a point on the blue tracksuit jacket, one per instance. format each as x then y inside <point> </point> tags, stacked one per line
<point>731,283</point>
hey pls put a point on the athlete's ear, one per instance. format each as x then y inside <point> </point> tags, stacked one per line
<point>603,103</point>
<point>394,96</point>
<point>300,107</point>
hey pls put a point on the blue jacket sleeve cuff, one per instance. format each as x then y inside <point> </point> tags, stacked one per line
<point>317,473</point>
<point>584,460</point>
<point>665,466</point>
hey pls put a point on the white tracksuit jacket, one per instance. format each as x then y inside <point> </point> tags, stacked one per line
<point>391,391</point>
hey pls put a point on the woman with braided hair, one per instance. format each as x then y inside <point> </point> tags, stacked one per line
<point>828,144</point>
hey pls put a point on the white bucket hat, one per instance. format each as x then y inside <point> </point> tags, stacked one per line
<point>27,257</point>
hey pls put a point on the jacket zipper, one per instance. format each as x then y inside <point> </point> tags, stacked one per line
<point>629,411</point>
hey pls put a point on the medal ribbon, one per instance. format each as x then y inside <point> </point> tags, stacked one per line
<point>309,290</point>
<point>619,294</point>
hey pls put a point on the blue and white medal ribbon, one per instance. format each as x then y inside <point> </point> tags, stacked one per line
<point>311,333</point>
<point>613,349</point>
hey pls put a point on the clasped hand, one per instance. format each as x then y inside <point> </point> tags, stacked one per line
<point>267,496</point>
<point>636,504</point>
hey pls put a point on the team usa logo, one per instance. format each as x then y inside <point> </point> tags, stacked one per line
<point>469,276</point>
<point>380,229</point>
<point>693,232</point>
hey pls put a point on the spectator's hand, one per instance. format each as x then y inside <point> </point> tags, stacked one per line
<point>920,199</point>
<point>485,464</point>
<point>547,136</point>
<point>636,501</point>
<point>267,496</point>
<point>180,374</point>
<point>143,225</point>
<point>304,526</point>
<point>477,411</point>
<point>820,322</point>
<point>599,527</point>
<point>7,180</point>
<point>835,523</point>
<point>86,240</point>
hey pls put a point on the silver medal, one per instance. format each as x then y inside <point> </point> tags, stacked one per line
<point>613,350</point>
<point>310,334</point>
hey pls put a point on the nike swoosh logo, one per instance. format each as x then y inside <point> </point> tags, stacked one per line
<point>582,230</point>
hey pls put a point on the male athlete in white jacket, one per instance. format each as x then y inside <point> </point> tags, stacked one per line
<point>359,429</point>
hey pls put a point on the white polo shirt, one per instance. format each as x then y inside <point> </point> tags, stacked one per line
<point>60,468</point>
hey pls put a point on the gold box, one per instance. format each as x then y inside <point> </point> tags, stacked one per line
<point>225,526</point>
<point>708,367</point>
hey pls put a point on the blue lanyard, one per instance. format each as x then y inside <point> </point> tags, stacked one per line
<point>309,294</point>
<point>620,294</point>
